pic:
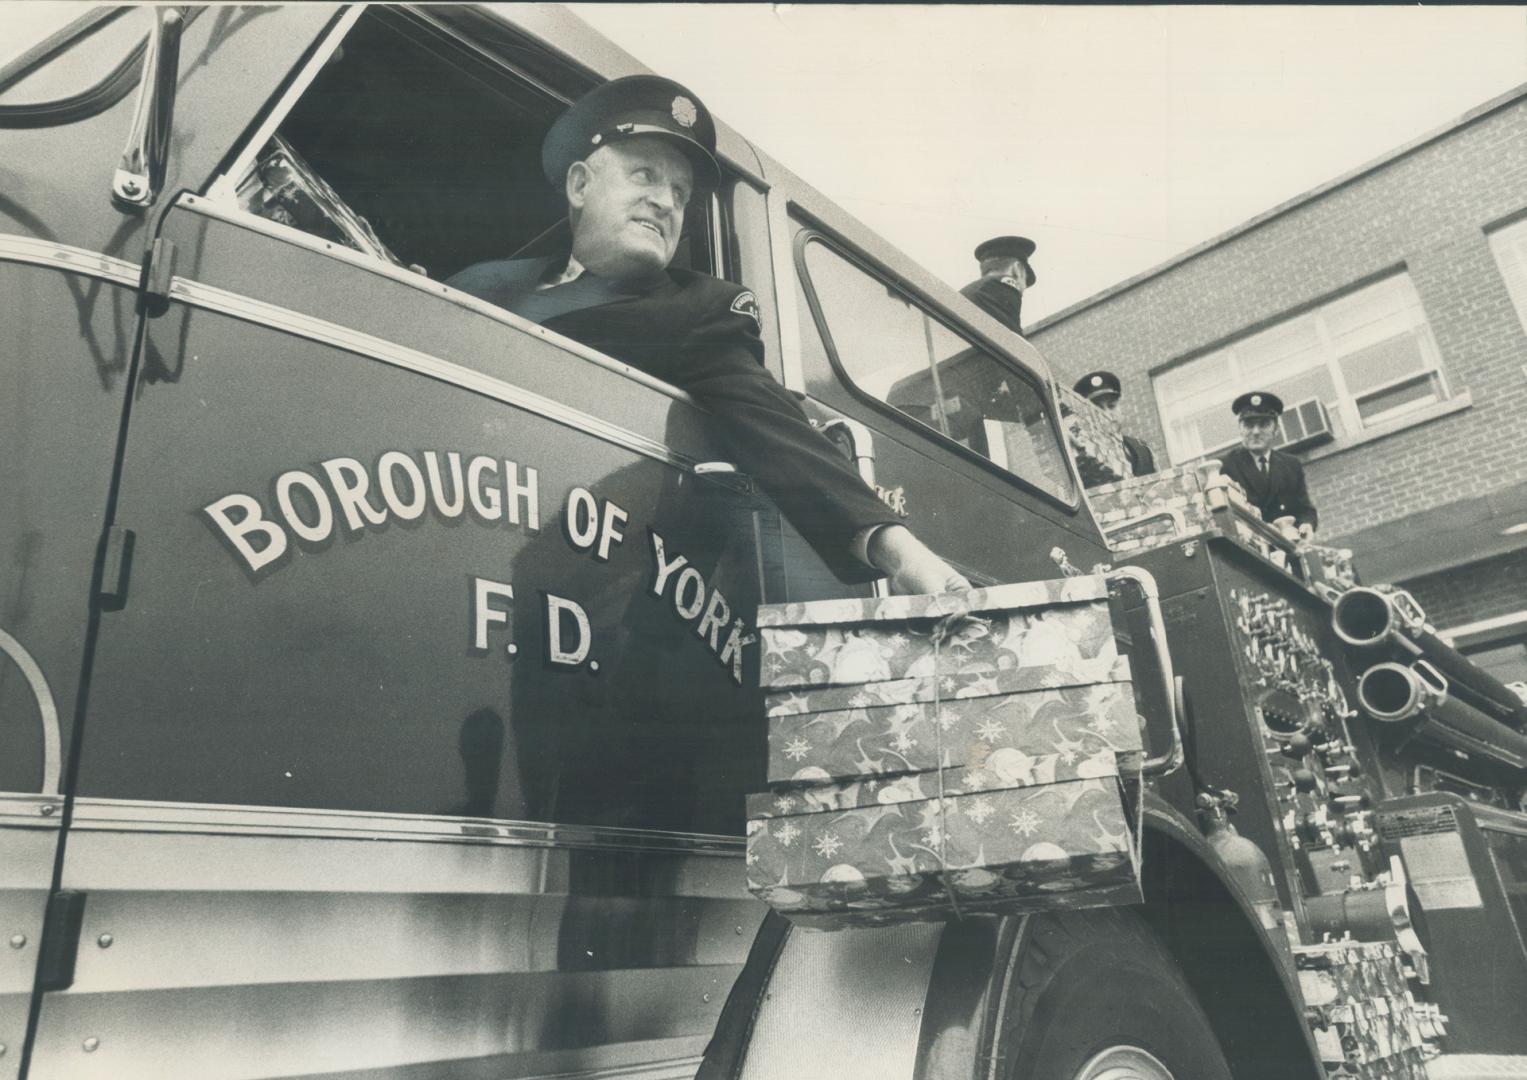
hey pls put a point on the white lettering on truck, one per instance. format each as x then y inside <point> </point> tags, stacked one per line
<point>692,594</point>
<point>306,507</point>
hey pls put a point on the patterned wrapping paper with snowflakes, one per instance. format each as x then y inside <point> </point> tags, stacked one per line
<point>1010,628</point>
<point>1329,566</point>
<point>1361,1010</point>
<point>1053,845</point>
<point>1064,713</point>
<point>1095,437</point>
<point>1165,506</point>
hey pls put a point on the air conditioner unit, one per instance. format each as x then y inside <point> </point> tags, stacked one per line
<point>1304,424</point>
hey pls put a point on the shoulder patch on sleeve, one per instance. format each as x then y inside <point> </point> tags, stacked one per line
<point>745,304</point>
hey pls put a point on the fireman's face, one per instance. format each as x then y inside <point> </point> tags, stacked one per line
<point>627,203</point>
<point>1257,433</point>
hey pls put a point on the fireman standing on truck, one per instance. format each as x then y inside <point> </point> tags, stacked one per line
<point>629,156</point>
<point>1103,389</point>
<point>1273,481</point>
<point>1005,275</point>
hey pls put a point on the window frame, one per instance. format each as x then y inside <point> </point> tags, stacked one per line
<point>218,197</point>
<point>1347,405</point>
<point>1514,229</point>
<point>808,233</point>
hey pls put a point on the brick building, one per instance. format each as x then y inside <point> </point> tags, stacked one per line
<point>1395,297</point>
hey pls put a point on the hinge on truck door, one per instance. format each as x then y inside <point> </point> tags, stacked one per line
<point>158,269</point>
<point>60,940</point>
<point>116,563</point>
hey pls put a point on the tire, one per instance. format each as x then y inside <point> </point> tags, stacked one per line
<point>1095,995</point>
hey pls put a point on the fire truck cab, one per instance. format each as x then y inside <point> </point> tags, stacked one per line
<point>378,679</point>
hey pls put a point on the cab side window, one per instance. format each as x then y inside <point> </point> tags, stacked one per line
<point>893,351</point>
<point>419,142</point>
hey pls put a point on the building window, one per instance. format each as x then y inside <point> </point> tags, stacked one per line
<point>1509,245</point>
<point>1368,357</point>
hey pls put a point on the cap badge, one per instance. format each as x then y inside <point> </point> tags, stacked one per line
<point>684,111</point>
<point>1256,399</point>
<point>1097,380</point>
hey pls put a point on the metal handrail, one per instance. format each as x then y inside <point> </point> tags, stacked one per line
<point>1172,760</point>
<point>1171,513</point>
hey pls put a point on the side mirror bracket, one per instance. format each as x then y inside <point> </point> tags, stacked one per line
<point>139,176</point>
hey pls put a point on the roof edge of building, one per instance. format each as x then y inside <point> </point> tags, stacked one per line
<point>1319,191</point>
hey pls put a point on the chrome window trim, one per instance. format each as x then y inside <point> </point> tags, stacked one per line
<point>26,810</point>
<point>223,186</point>
<point>76,260</point>
<point>781,255</point>
<point>1039,379</point>
<point>132,815</point>
<point>225,302</point>
<point>52,753</point>
<point>404,276</point>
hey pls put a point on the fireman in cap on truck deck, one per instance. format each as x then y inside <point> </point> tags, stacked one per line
<point>1273,481</point>
<point>1103,389</point>
<point>629,156</point>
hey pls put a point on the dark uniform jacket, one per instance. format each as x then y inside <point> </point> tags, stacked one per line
<point>1280,493</point>
<point>1141,461</point>
<point>702,334</point>
<point>998,299</point>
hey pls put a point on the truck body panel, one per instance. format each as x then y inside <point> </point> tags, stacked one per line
<point>378,669</point>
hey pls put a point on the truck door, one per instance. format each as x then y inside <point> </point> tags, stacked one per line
<point>69,270</point>
<point>420,731</point>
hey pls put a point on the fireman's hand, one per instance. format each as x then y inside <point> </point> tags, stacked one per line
<point>911,565</point>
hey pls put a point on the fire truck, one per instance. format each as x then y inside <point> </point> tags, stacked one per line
<point>378,683</point>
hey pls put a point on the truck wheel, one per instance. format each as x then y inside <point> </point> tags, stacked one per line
<point>1096,997</point>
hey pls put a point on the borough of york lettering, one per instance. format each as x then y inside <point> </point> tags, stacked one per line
<point>343,494</point>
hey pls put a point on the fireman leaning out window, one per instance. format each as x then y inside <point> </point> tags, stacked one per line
<point>629,156</point>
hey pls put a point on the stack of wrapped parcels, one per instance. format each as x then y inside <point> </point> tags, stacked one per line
<point>922,766</point>
<point>1366,1022</point>
<point>1096,440</point>
<point>1149,511</point>
<point>1329,566</point>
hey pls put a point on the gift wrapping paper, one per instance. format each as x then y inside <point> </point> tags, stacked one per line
<point>999,762</point>
<point>1096,439</point>
<point>1361,1011</point>
<point>1030,848</point>
<point>1012,627</point>
<point>1033,721</point>
<point>1149,511</point>
<point>1330,566</point>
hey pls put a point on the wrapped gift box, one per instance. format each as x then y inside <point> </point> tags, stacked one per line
<point>1046,717</point>
<point>1000,762</point>
<point>1360,1009</point>
<point>1095,437</point>
<point>853,642</point>
<point>1149,511</point>
<point>895,848</point>
<point>1329,566</point>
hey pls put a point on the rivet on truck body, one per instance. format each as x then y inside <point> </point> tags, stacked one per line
<point>105,940</point>
<point>90,1044</point>
<point>18,941</point>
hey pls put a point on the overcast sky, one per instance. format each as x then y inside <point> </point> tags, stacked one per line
<point>1114,137</point>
